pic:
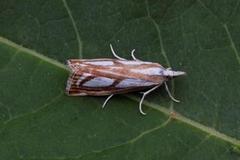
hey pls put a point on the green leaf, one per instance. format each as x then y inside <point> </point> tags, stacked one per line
<point>38,121</point>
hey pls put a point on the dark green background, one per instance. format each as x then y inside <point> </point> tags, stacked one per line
<point>38,121</point>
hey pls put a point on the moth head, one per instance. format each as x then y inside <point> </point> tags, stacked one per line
<point>170,73</point>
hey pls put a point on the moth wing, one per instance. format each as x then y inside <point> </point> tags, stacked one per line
<point>100,77</point>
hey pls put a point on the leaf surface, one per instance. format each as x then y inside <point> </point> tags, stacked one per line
<point>38,121</point>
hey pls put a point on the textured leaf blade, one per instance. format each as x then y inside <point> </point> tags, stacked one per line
<point>38,121</point>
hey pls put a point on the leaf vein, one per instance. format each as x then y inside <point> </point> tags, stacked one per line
<point>33,53</point>
<point>206,138</point>
<point>74,24</point>
<point>159,108</point>
<point>129,142</point>
<point>163,52</point>
<point>190,122</point>
<point>9,62</point>
<point>209,10</point>
<point>36,110</point>
<point>233,46</point>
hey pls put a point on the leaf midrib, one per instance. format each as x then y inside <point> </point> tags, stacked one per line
<point>164,110</point>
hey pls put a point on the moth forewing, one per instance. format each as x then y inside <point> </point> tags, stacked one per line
<point>99,77</point>
<point>102,77</point>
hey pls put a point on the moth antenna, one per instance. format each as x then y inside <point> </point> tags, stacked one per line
<point>133,56</point>
<point>108,98</point>
<point>142,99</point>
<point>170,95</point>
<point>114,54</point>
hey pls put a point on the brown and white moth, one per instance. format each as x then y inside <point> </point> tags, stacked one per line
<point>107,77</point>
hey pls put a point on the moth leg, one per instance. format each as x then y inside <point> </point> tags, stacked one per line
<point>144,94</point>
<point>133,56</point>
<point>169,68</point>
<point>108,98</point>
<point>114,54</point>
<point>170,95</point>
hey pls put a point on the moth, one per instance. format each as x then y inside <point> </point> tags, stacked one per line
<point>107,77</point>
